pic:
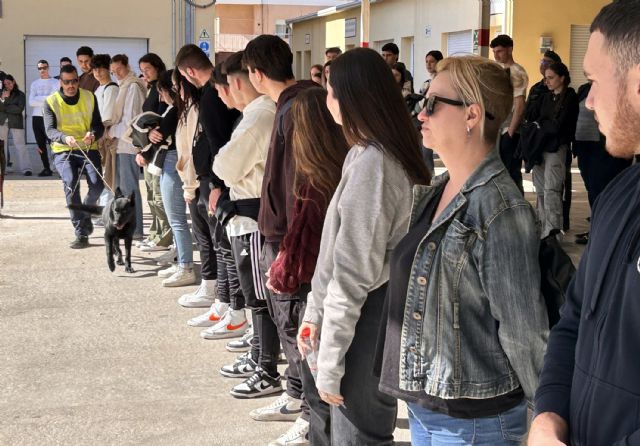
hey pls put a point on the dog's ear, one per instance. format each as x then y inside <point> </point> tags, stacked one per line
<point>118,193</point>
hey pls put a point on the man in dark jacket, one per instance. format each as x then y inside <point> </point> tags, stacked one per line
<point>269,60</point>
<point>589,390</point>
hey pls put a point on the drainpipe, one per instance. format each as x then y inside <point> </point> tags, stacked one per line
<point>173,30</point>
<point>364,23</point>
<point>483,27</point>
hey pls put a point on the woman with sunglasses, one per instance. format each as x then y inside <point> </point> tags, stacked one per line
<point>466,322</point>
<point>367,216</point>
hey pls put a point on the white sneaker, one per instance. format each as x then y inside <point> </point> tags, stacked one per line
<point>243,344</point>
<point>143,242</point>
<point>152,247</point>
<point>168,272</point>
<point>232,325</point>
<point>296,435</point>
<point>168,257</point>
<point>182,277</point>
<point>211,317</point>
<point>203,297</point>
<point>284,408</point>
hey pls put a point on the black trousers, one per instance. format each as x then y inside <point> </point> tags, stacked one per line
<point>203,230</point>
<point>246,253</point>
<point>513,163</point>
<point>37,122</point>
<point>368,416</point>
<point>229,290</point>
<point>597,167</point>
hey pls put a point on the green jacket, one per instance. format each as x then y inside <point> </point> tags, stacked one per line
<point>11,109</point>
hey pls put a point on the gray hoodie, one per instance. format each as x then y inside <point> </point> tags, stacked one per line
<point>367,217</point>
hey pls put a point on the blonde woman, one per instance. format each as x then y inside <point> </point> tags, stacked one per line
<point>466,324</point>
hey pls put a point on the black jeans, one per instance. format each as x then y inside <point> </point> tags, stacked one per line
<point>37,122</point>
<point>203,230</point>
<point>368,416</point>
<point>513,162</point>
<point>229,289</point>
<point>70,166</point>
<point>597,167</point>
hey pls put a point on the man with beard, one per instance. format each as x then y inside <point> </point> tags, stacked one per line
<point>589,385</point>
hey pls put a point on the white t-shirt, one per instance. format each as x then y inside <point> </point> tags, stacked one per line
<point>39,91</point>
<point>520,82</point>
<point>106,96</point>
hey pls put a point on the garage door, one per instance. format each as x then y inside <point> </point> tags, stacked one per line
<point>579,41</point>
<point>52,49</point>
<point>459,43</point>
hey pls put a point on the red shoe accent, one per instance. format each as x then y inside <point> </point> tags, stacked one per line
<point>231,327</point>
<point>213,317</point>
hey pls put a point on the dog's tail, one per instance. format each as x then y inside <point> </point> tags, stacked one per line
<point>94,210</point>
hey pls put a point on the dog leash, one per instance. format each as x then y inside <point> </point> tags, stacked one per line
<point>84,152</point>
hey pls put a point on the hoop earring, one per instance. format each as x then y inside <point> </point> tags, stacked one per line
<point>468,132</point>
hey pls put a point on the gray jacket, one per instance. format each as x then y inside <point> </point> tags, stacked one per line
<point>367,217</point>
<point>475,322</point>
<point>11,110</point>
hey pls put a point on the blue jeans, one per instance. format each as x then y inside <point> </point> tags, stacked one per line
<point>429,428</point>
<point>176,208</point>
<point>70,167</point>
<point>128,180</point>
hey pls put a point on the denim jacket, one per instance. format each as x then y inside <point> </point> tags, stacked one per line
<point>475,323</point>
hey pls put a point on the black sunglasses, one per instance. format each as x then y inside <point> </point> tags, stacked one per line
<point>69,81</point>
<point>42,68</point>
<point>430,103</point>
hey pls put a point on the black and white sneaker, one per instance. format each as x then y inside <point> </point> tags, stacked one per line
<point>260,384</point>
<point>243,344</point>
<point>242,367</point>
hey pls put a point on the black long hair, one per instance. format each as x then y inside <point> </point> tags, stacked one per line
<point>373,110</point>
<point>191,94</point>
<point>165,82</point>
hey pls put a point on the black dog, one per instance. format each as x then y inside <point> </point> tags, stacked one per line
<point>119,217</point>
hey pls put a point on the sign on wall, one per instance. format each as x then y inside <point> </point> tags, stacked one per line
<point>307,39</point>
<point>204,42</point>
<point>350,27</point>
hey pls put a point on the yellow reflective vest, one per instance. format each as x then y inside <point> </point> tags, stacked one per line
<point>72,120</point>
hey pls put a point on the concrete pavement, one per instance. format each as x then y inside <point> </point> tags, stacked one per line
<point>91,357</point>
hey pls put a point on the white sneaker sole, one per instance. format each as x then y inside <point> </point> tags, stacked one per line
<point>224,335</point>
<point>244,396</point>
<point>196,304</point>
<point>237,349</point>
<point>179,283</point>
<point>235,375</point>
<point>203,323</point>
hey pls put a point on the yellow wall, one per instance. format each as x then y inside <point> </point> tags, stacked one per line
<point>532,19</point>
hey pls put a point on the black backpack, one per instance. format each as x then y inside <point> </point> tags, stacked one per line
<point>556,272</point>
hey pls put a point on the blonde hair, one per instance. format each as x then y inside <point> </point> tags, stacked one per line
<point>478,80</point>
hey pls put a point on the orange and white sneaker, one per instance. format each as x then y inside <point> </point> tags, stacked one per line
<point>233,324</point>
<point>211,317</point>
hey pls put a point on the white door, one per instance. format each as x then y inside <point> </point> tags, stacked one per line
<point>579,40</point>
<point>51,49</point>
<point>459,43</point>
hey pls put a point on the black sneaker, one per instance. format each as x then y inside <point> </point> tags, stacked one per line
<point>28,173</point>
<point>260,384</point>
<point>81,241</point>
<point>242,367</point>
<point>45,173</point>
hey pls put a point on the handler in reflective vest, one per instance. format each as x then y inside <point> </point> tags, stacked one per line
<point>72,121</point>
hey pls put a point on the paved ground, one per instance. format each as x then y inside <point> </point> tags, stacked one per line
<point>91,357</point>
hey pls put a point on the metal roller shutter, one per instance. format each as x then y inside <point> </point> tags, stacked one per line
<point>459,43</point>
<point>579,41</point>
<point>52,48</point>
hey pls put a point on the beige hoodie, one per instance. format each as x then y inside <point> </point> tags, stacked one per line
<point>185,133</point>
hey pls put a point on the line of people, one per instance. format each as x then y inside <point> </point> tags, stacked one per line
<point>314,210</point>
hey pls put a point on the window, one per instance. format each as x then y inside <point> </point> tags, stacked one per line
<point>282,30</point>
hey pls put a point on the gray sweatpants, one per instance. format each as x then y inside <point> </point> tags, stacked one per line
<point>548,179</point>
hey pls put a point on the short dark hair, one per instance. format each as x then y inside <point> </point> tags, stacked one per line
<point>437,55</point>
<point>618,23</point>
<point>120,58</point>
<point>271,55</point>
<point>233,64</point>
<point>42,61</point>
<point>84,51</point>
<point>333,49</point>
<point>68,69</point>
<point>502,40</point>
<point>553,56</point>
<point>561,70</point>
<point>100,61</point>
<point>155,61</point>
<point>65,59</point>
<point>391,48</point>
<point>218,77</point>
<point>191,56</point>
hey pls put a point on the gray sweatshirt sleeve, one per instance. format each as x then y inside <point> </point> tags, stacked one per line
<point>364,220</point>
<point>51,124</point>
